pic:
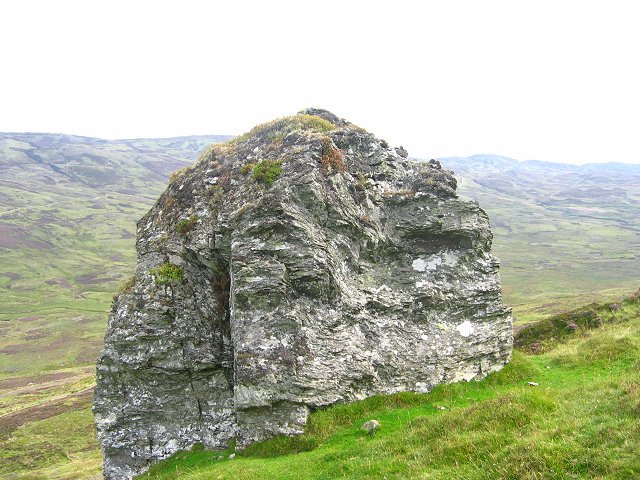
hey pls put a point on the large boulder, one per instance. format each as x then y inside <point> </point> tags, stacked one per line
<point>302,264</point>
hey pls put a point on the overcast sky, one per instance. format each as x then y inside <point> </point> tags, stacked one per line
<point>549,80</point>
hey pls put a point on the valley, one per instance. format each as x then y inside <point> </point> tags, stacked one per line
<point>565,235</point>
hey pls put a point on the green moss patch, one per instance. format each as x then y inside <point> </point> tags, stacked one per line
<point>167,274</point>
<point>267,171</point>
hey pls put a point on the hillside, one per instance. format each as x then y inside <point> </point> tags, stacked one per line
<point>569,413</point>
<point>565,234</point>
<point>68,208</point>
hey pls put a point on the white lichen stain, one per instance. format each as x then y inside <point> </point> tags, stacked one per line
<point>465,328</point>
<point>419,265</point>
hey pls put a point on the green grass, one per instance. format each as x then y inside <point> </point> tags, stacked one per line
<point>580,422</point>
<point>547,333</point>
<point>167,273</point>
<point>185,226</point>
<point>61,447</point>
<point>267,171</point>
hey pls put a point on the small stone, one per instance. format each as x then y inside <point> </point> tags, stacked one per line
<point>442,407</point>
<point>402,152</point>
<point>232,456</point>
<point>371,426</point>
<point>614,307</point>
<point>533,384</point>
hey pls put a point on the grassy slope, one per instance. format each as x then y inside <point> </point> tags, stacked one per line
<point>580,422</point>
<point>68,207</point>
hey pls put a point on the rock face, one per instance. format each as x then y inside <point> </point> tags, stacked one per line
<point>302,264</point>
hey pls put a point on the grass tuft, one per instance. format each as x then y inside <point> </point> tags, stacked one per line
<point>167,273</point>
<point>185,226</point>
<point>277,129</point>
<point>545,334</point>
<point>126,287</point>
<point>267,171</point>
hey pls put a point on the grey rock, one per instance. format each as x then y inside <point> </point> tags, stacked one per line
<point>402,152</point>
<point>355,273</point>
<point>371,426</point>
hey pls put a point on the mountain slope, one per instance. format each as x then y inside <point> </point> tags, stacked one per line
<point>68,208</point>
<point>576,419</point>
<point>565,234</point>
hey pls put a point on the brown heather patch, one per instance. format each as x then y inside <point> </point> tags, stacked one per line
<point>12,421</point>
<point>332,157</point>
<point>10,383</point>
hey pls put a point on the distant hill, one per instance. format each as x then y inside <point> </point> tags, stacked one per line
<point>68,208</point>
<point>565,234</point>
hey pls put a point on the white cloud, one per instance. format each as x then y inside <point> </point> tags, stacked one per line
<point>546,80</point>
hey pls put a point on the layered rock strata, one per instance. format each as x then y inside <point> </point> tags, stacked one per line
<point>302,264</point>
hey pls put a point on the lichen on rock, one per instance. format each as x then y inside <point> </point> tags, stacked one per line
<point>352,271</point>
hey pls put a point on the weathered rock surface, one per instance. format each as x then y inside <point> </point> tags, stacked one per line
<point>356,272</point>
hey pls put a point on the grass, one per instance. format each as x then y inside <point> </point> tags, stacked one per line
<point>276,130</point>
<point>61,447</point>
<point>581,421</point>
<point>546,333</point>
<point>267,171</point>
<point>185,226</point>
<point>167,273</point>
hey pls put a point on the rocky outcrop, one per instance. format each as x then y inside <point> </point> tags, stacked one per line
<point>302,264</point>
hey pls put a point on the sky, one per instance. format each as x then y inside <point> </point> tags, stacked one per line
<point>548,80</point>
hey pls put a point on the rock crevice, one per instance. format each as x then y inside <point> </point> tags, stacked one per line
<point>337,270</point>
